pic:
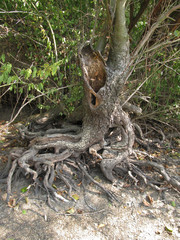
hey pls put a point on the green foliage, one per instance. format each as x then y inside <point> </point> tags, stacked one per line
<point>38,58</point>
<point>42,60</point>
<point>23,190</point>
<point>162,71</point>
<point>5,71</point>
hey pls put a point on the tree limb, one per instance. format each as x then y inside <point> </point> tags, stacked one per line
<point>160,19</point>
<point>120,40</point>
<point>134,20</point>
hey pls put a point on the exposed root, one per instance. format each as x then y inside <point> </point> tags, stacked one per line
<point>108,164</point>
<point>60,176</point>
<point>9,179</point>
<point>111,195</point>
<point>55,148</point>
<point>159,167</point>
<point>12,155</point>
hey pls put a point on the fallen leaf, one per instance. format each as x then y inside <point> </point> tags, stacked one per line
<point>101,225</point>
<point>75,196</point>
<point>60,193</point>
<point>126,185</point>
<point>26,200</point>
<point>79,211</point>
<point>173,203</point>
<point>70,210</point>
<point>150,199</point>
<point>4,196</point>
<point>97,179</point>
<point>147,204</point>
<point>79,184</point>
<point>12,203</point>
<point>168,230</point>
<point>54,186</point>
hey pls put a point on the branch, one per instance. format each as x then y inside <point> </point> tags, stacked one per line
<point>120,40</point>
<point>161,45</point>
<point>137,89</point>
<point>11,12</point>
<point>29,101</point>
<point>101,44</point>
<point>120,35</point>
<point>135,19</point>
<point>55,46</point>
<point>160,19</point>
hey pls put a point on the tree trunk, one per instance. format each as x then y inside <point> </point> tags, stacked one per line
<point>104,102</point>
<point>107,132</point>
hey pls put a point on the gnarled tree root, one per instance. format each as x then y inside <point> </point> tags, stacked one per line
<point>44,160</point>
<point>48,153</point>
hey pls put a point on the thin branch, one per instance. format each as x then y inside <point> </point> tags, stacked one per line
<point>161,44</point>
<point>160,19</point>
<point>135,19</point>
<point>164,64</point>
<point>120,38</point>
<point>97,10</point>
<point>32,99</point>
<point>11,12</point>
<point>137,89</point>
<point>55,46</point>
<point>54,39</point>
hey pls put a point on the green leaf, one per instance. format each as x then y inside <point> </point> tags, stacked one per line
<point>46,65</point>
<point>173,203</point>
<point>177,33</point>
<point>30,86</point>
<point>40,86</point>
<point>28,73</point>
<point>9,80</point>
<point>34,72</point>
<point>24,211</point>
<point>23,190</point>
<point>8,67</point>
<point>14,79</point>
<point>3,57</point>
<point>1,78</point>
<point>20,90</point>
<point>11,87</point>
<point>22,72</point>
<point>75,177</point>
<point>54,68</point>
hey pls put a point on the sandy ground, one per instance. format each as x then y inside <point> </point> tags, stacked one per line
<point>95,218</point>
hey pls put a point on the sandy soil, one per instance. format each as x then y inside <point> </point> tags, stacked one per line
<point>94,216</point>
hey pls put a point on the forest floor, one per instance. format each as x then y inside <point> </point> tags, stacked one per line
<point>140,214</point>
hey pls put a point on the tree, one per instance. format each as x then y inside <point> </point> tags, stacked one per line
<point>107,133</point>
